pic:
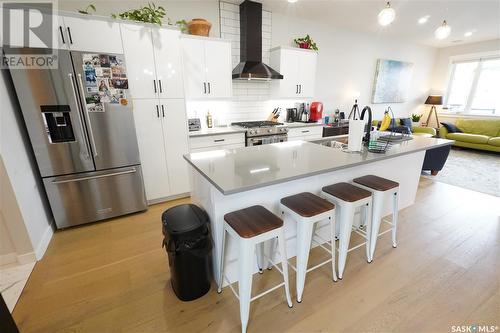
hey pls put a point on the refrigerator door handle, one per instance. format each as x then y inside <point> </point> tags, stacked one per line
<point>87,150</point>
<point>89,123</point>
<point>63,181</point>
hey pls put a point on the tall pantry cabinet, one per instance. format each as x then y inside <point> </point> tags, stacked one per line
<point>153,57</point>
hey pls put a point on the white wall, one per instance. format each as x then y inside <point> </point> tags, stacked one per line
<point>176,9</point>
<point>20,166</point>
<point>347,62</point>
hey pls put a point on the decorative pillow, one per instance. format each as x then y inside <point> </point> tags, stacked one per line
<point>406,122</point>
<point>400,129</point>
<point>451,128</point>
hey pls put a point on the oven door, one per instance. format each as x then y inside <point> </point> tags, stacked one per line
<point>264,140</point>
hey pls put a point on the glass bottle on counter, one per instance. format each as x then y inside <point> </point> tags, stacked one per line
<point>210,123</point>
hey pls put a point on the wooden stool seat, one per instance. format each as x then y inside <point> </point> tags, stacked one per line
<point>346,192</point>
<point>376,183</point>
<point>307,204</point>
<point>252,221</point>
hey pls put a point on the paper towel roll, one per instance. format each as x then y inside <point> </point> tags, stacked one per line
<point>356,133</point>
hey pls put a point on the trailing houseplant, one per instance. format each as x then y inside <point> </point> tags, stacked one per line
<point>306,43</point>
<point>87,9</point>
<point>149,14</point>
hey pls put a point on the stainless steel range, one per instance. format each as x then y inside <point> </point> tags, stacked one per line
<point>263,132</point>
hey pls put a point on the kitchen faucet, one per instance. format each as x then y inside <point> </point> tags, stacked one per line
<point>367,135</point>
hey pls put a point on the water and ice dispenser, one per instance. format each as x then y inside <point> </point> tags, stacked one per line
<point>58,123</point>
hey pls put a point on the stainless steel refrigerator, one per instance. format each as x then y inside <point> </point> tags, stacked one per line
<point>80,124</point>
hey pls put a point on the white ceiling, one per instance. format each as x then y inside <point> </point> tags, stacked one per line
<point>480,16</point>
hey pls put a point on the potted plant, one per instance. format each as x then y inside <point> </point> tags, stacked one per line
<point>149,14</point>
<point>306,43</point>
<point>88,9</point>
<point>415,119</point>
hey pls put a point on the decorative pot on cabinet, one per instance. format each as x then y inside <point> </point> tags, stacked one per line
<point>199,27</point>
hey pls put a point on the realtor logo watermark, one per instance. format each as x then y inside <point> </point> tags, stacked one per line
<point>28,34</point>
<point>473,328</point>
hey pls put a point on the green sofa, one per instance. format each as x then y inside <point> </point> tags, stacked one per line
<point>481,134</point>
<point>416,130</point>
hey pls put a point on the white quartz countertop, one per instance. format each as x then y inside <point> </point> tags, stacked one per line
<point>298,125</point>
<point>242,169</point>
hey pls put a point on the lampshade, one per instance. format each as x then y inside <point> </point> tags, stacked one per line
<point>434,100</point>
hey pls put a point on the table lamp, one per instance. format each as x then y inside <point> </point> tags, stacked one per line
<point>433,100</point>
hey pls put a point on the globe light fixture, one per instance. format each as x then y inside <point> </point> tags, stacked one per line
<point>386,15</point>
<point>292,1</point>
<point>443,31</point>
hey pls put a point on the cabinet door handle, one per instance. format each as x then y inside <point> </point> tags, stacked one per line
<point>307,131</point>
<point>157,111</point>
<point>296,88</point>
<point>219,140</point>
<point>159,83</point>
<point>154,85</point>
<point>204,87</point>
<point>162,111</point>
<point>209,87</point>
<point>300,89</point>
<point>62,35</point>
<point>69,35</point>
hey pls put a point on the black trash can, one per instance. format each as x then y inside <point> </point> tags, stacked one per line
<point>188,243</point>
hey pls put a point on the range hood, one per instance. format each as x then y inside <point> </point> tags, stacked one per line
<point>251,66</point>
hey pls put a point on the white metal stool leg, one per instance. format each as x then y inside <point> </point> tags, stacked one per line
<point>304,237</point>
<point>346,221</point>
<point>284,266</point>
<point>259,252</point>
<point>394,218</point>
<point>332,245</point>
<point>367,213</point>
<point>245,263</point>
<point>221,263</point>
<point>378,202</point>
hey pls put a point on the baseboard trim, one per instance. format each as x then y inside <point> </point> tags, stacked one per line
<point>26,258</point>
<point>165,199</point>
<point>44,243</point>
<point>8,258</point>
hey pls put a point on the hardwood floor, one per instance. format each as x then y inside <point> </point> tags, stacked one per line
<point>114,277</point>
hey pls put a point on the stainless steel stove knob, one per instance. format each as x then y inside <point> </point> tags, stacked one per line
<point>251,131</point>
<point>270,130</point>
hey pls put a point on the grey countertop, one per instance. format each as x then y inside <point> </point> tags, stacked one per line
<point>237,170</point>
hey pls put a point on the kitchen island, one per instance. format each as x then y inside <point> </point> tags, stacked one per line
<point>227,180</point>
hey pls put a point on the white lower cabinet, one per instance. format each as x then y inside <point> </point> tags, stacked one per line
<point>199,144</point>
<point>305,133</point>
<point>161,129</point>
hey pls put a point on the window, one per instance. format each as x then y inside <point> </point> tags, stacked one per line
<point>474,87</point>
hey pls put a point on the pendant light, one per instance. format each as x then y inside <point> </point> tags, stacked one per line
<point>386,15</point>
<point>443,31</point>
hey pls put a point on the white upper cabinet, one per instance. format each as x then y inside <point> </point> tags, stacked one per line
<point>298,68</point>
<point>207,67</point>
<point>89,34</point>
<point>140,61</point>
<point>153,61</point>
<point>219,69</point>
<point>168,63</point>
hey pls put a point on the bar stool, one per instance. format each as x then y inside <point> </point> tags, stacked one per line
<point>347,198</point>
<point>381,188</point>
<point>251,226</point>
<point>308,209</point>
